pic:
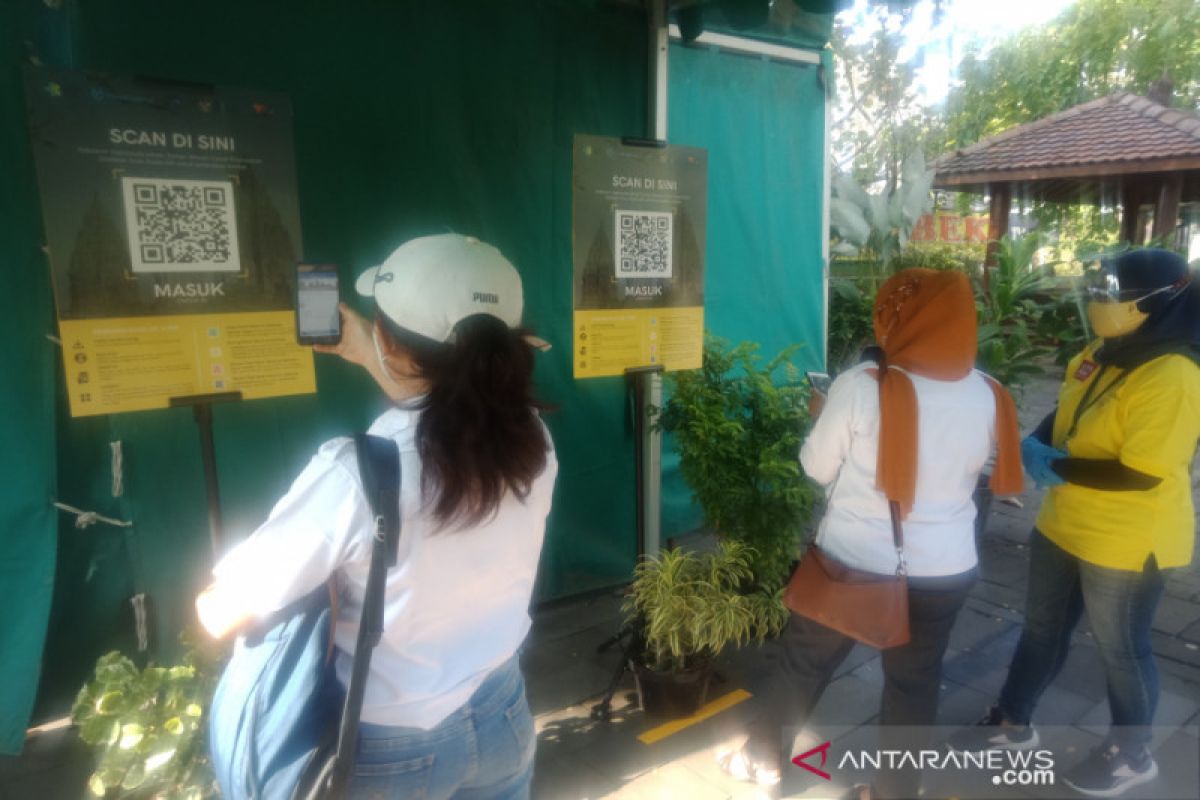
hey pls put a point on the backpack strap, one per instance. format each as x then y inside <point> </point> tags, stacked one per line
<point>379,467</point>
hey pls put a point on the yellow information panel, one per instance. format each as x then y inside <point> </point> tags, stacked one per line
<point>173,233</point>
<point>638,231</point>
<point>607,341</point>
<point>139,363</point>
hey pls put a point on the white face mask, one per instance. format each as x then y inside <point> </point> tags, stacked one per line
<point>387,373</point>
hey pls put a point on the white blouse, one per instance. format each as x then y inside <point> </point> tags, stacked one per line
<point>456,605</point>
<point>956,423</point>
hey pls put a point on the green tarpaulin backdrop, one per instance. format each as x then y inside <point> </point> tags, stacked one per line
<point>410,118</point>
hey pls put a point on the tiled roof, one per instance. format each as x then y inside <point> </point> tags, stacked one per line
<point>1117,129</point>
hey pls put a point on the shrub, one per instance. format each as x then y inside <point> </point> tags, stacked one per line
<point>1009,309</point>
<point>850,327</point>
<point>966,258</point>
<point>738,432</point>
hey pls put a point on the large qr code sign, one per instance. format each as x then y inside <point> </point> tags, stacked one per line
<point>643,244</point>
<point>177,225</point>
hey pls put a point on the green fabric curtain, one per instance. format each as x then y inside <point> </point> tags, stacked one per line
<point>27,425</point>
<point>410,118</point>
<point>763,123</point>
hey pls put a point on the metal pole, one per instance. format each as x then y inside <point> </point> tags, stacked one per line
<point>639,457</point>
<point>652,471</point>
<point>656,95</point>
<point>649,395</point>
<point>208,455</point>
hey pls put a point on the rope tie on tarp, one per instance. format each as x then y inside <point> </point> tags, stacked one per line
<point>118,469</point>
<point>138,601</point>
<point>85,519</point>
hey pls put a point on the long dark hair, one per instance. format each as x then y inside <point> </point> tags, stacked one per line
<point>479,436</point>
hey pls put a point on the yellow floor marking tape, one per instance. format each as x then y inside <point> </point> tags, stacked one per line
<point>707,710</point>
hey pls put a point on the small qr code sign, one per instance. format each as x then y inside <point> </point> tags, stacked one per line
<point>177,225</point>
<point>643,246</point>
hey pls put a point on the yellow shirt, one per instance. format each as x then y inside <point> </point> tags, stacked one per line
<point>1149,419</point>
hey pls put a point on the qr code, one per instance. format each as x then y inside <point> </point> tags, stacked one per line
<point>644,244</point>
<point>181,225</point>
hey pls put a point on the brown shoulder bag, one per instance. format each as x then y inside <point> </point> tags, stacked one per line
<point>865,606</point>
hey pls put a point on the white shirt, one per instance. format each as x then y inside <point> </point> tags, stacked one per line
<point>956,422</point>
<point>456,606</point>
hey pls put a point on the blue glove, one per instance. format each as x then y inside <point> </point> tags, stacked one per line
<point>1036,456</point>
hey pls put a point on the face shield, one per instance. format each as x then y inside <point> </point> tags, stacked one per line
<point>1113,310</point>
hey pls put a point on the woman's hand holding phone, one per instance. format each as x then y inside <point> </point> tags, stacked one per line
<point>356,345</point>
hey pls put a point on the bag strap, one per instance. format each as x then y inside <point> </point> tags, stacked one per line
<point>898,538</point>
<point>379,466</point>
<point>893,507</point>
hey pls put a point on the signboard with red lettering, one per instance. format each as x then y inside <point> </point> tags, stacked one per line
<point>951,228</point>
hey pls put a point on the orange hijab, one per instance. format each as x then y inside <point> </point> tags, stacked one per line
<point>925,324</point>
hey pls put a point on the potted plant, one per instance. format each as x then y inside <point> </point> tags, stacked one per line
<point>738,430</point>
<point>687,607</point>
<point>147,727</point>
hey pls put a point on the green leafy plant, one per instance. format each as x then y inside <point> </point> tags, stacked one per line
<point>1091,49</point>
<point>966,258</point>
<point>738,433</point>
<point>693,605</point>
<point>851,328</point>
<point>877,225</point>
<point>1063,325</point>
<point>1009,306</point>
<point>147,727</point>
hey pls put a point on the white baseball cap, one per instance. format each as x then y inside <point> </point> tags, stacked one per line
<point>430,284</point>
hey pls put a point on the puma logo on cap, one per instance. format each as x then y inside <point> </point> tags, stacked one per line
<point>486,297</point>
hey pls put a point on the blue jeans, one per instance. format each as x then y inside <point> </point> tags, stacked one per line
<point>482,751</point>
<point>1120,607</point>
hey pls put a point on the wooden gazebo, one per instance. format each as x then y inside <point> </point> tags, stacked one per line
<point>1122,149</point>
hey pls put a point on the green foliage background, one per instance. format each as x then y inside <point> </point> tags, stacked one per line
<point>1094,48</point>
<point>738,424</point>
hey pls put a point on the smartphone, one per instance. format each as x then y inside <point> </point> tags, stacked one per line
<point>819,381</point>
<point>318,320</point>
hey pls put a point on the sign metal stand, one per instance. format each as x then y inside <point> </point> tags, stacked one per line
<point>646,382</point>
<point>201,405</point>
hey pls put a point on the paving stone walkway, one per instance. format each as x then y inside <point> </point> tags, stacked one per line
<point>580,758</point>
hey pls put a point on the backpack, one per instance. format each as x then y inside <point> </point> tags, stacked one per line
<point>274,729</point>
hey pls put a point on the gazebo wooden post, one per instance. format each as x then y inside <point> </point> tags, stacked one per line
<point>1001,205</point>
<point>1131,202</point>
<point>1166,210</point>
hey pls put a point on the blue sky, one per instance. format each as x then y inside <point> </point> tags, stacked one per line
<point>936,51</point>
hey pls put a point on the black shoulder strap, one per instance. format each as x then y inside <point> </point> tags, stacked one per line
<point>379,466</point>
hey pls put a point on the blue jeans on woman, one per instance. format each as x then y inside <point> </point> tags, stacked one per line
<point>482,751</point>
<point>1120,607</point>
